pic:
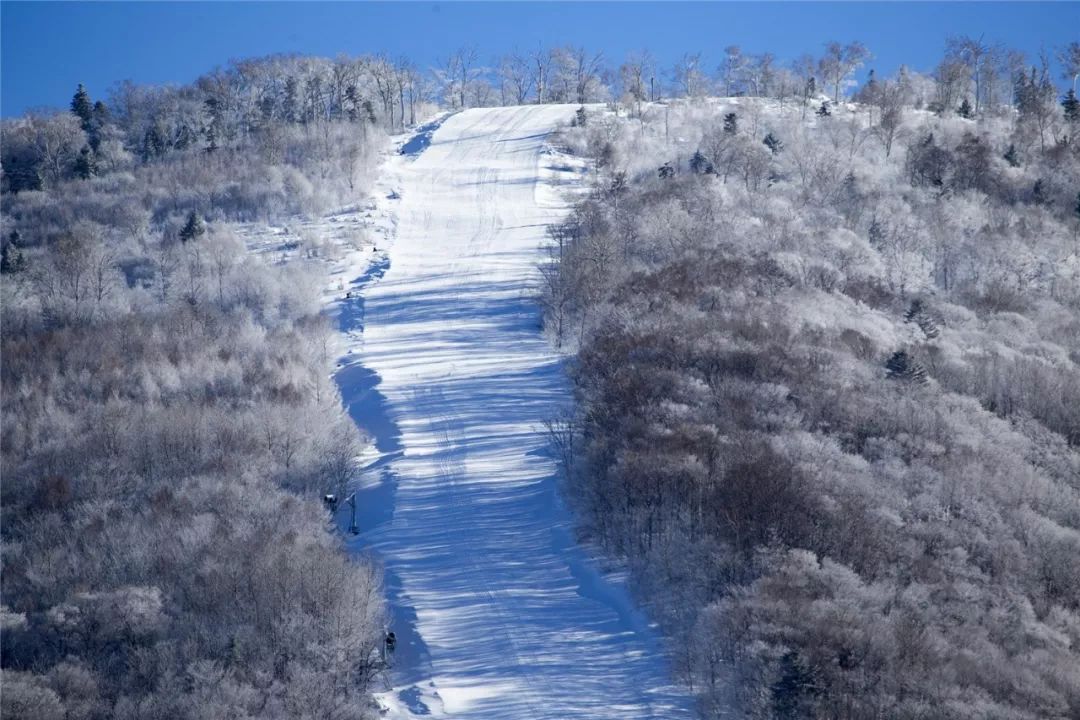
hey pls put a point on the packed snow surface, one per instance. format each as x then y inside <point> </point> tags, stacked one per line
<point>498,612</point>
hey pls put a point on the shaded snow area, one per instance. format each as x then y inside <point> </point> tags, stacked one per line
<point>498,612</point>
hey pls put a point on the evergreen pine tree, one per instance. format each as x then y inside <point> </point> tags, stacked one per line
<point>352,102</point>
<point>731,123</point>
<point>290,104</point>
<point>665,171</point>
<point>83,108</point>
<point>606,156</point>
<point>6,259</point>
<point>153,143</point>
<point>1038,192</point>
<point>100,119</point>
<point>876,234</point>
<point>773,143</point>
<point>85,164</point>
<point>869,92</point>
<point>580,118</point>
<point>369,110</point>
<point>699,164</point>
<point>965,110</point>
<point>11,259</point>
<point>618,184</point>
<point>918,314</point>
<point>194,228</point>
<point>185,137</point>
<point>1071,106</point>
<point>101,113</point>
<point>215,123</point>
<point>211,138</point>
<point>1011,157</point>
<point>793,688</point>
<point>902,366</point>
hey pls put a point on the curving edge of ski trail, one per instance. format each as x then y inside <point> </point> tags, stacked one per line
<point>499,613</point>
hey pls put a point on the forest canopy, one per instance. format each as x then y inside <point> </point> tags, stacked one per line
<point>827,363</point>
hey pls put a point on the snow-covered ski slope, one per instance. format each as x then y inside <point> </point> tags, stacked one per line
<point>498,613</point>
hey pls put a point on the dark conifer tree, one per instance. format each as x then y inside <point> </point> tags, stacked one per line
<point>1071,106</point>
<point>774,143</point>
<point>290,105</point>
<point>731,123</point>
<point>101,113</point>
<point>352,103</point>
<point>793,688</point>
<point>194,228</point>
<point>1011,157</point>
<point>902,366</point>
<point>699,164</point>
<point>11,257</point>
<point>83,108</point>
<point>919,315</point>
<point>85,164</point>
<point>1038,192</point>
<point>154,144</point>
<point>965,110</point>
<point>876,234</point>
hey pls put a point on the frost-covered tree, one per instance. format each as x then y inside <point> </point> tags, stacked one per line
<point>688,75</point>
<point>1069,57</point>
<point>840,62</point>
<point>717,450</point>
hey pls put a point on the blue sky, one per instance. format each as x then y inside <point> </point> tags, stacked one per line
<point>47,48</point>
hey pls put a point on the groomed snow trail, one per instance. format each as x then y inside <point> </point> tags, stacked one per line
<point>498,613</point>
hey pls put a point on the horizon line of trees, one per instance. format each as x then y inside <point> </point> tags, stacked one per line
<point>257,103</point>
<point>984,73</point>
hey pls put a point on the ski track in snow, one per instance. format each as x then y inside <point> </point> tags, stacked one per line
<point>498,612</point>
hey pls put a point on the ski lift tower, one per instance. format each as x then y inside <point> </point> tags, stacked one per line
<point>332,504</point>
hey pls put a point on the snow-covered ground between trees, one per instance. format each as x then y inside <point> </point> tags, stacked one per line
<point>498,612</point>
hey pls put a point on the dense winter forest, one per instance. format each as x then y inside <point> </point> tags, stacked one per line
<point>169,421</point>
<point>828,365</point>
<point>827,355</point>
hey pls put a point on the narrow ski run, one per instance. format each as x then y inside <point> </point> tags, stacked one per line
<point>498,612</point>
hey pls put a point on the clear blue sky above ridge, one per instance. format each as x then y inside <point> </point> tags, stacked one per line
<point>46,48</point>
